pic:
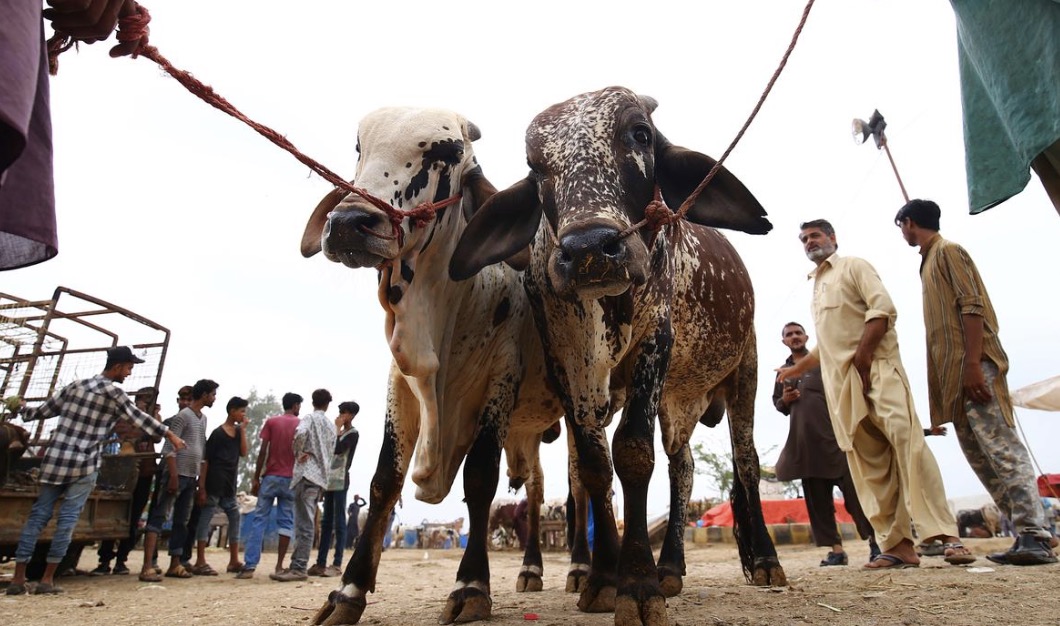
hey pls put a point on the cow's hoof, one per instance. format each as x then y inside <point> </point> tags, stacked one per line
<point>528,581</point>
<point>600,600</point>
<point>769,573</point>
<point>323,613</point>
<point>466,604</point>
<point>648,612</point>
<point>670,582</point>
<point>577,580</point>
<point>340,609</point>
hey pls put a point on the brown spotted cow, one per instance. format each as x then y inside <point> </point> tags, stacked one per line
<point>657,325</point>
<point>467,376</point>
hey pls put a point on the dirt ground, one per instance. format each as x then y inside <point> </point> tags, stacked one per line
<point>413,585</point>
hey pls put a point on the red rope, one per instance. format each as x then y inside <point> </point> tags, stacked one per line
<point>655,219</point>
<point>133,27</point>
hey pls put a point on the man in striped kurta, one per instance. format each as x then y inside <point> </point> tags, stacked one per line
<point>87,411</point>
<point>966,380</point>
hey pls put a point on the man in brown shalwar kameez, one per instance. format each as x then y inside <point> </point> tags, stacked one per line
<point>812,455</point>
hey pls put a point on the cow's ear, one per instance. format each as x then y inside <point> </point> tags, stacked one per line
<point>478,189</point>
<point>520,260</point>
<point>724,203</point>
<point>500,230</point>
<point>315,228</point>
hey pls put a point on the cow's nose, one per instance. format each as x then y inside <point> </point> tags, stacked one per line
<point>591,252</point>
<point>346,227</point>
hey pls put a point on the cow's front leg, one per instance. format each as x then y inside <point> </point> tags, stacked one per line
<point>672,555</point>
<point>470,599</point>
<point>598,595</point>
<point>640,601</point>
<point>346,604</point>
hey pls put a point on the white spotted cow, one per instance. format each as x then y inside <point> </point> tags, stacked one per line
<point>467,376</point>
<point>655,325</point>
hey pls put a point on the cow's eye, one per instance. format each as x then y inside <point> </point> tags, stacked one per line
<point>358,147</point>
<point>642,134</point>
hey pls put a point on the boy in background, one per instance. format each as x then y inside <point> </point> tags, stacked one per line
<point>217,485</point>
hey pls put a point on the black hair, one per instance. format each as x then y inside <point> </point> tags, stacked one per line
<point>236,403</point>
<point>147,394</point>
<point>792,324</point>
<point>824,225</point>
<point>321,398</point>
<point>289,400</point>
<point>349,407</point>
<point>923,213</point>
<point>203,387</point>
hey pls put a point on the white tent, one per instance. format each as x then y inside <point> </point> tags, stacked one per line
<point>1043,395</point>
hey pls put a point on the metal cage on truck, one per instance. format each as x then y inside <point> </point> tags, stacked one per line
<point>45,345</point>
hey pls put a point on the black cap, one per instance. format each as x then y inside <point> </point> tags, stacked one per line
<point>122,354</point>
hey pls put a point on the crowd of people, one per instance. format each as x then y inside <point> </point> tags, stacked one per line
<point>303,461</point>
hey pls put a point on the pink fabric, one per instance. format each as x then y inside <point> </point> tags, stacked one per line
<point>27,193</point>
<point>279,432</point>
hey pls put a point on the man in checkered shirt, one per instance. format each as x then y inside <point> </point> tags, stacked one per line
<point>87,410</point>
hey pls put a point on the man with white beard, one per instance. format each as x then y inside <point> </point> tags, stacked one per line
<point>871,406</point>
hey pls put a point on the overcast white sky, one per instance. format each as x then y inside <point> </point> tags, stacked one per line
<point>176,211</point>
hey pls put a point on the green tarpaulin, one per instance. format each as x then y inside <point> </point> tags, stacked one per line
<point>1010,89</point>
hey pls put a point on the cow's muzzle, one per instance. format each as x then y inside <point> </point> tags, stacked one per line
<point>593,261</point>
<point>358,236</point>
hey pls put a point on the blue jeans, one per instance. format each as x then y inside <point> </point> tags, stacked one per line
<point>180,505</point>
<point>272,488</point>
<point>229,506</point>
<point>74,496</point>
<point>334,519</point>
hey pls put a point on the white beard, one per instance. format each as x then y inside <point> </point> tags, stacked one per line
<point>821,253</point>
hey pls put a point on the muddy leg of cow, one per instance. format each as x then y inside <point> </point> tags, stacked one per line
<point>594,462</point>
<point>580,554</point>
<point>470,600</point>
<point>640,601</point>
<point>530,573</point>
<point>346,604</point>
<point>757,553</point>
<point>672,556</point>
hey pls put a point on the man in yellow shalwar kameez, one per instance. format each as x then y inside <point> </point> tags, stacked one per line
<point>895,473</point>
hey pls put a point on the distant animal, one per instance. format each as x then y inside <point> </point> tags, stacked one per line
<point>982,523</point>
<point>467,377</point>
<point>655,324</point>
<point>14,441</point>
<point>514,519</point>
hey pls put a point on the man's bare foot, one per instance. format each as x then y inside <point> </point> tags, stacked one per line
<point>904,552</point>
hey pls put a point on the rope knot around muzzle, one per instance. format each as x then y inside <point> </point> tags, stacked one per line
<point>657,215</point>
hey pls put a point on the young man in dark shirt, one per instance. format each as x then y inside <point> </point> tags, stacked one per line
<point>217,485</point>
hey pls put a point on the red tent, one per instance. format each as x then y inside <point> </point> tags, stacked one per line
<point>775,512</point>
<point>1045,481</point>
